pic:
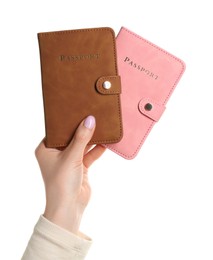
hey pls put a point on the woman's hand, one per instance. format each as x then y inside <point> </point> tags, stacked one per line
<point>65,175</point>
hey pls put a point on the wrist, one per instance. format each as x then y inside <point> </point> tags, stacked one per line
<point>68,218</point>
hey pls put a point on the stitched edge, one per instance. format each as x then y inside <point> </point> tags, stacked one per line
<point>141,109</point>
<point>129,157</point>
<point>107,91</point>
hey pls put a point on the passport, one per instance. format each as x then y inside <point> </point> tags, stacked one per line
<point>149,75</point>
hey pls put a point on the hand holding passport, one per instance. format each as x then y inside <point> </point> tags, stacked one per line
<point>124,83</point>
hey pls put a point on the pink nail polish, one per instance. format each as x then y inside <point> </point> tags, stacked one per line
<point>89,122</point>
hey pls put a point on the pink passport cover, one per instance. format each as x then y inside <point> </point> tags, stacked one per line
<point>149,75</point>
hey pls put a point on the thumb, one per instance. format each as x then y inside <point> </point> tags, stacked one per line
<point>81,138</point>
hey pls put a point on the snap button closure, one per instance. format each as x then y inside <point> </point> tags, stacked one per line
<point>148,107</point>
<point>107,85</point>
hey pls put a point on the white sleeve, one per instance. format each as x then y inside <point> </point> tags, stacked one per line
<point>49,242</point>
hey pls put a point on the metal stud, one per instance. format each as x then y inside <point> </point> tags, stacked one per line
<point>148,107</point>
<point>107,85</point>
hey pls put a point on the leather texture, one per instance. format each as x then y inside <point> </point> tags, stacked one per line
<point>74,66</point>
<point>149,75</point>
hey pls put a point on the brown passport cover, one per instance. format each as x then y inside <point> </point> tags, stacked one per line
<point>74,66</point>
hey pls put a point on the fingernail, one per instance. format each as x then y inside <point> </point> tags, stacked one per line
<point>89,122</point>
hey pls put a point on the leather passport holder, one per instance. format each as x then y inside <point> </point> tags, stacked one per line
<point>149,75</point>
<point>80,78</point>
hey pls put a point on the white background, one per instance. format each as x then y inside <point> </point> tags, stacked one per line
<point>157,206</point>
